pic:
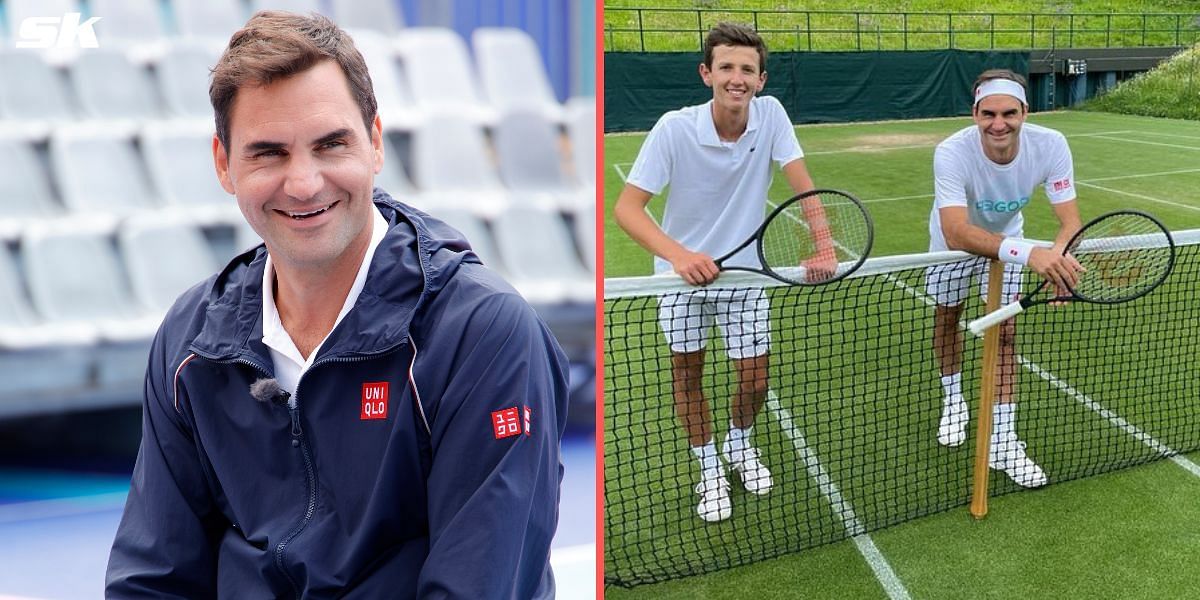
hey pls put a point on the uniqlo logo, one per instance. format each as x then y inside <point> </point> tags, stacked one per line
<point>506,423</point>
<point>1013,252</point>
<point>374,400</point>
<point>1062,184</point>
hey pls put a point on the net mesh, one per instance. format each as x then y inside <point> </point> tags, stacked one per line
<point>849,427</point>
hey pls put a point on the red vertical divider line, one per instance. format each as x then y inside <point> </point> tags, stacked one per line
<point>599,270</point>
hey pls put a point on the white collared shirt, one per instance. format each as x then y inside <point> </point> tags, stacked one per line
<point>289,365</point>
<point>718,193</point>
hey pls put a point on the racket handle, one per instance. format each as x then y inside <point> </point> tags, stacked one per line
<point>978,326</point>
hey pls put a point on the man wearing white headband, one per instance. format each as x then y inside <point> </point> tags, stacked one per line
<point>983,176</point>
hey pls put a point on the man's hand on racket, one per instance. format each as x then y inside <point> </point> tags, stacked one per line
<point>822,266</point>
<point>1061,270</point>
<point>696,268</point>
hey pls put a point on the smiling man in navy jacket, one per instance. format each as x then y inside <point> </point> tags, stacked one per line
<point>357,409</point>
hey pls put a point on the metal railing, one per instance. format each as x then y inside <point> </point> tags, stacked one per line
<point>683,30</point>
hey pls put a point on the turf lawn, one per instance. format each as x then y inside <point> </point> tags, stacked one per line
<point>850,437</point>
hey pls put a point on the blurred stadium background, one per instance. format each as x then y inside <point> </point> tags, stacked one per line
<point>109,208</point>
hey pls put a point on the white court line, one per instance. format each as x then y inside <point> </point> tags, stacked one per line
<point>1141,175</point>
<point>1096,133</point>
<point>883,571</point>
<point>1142,196</point>
<point>1080,182</point>
<point>868,150</point>
<point>620,171</point>
<point>1113,418</point>
<point>1148,143</point>
<point>914,146</point>
<point>1174,135</point>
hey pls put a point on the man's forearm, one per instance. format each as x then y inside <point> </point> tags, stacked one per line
<point>973,239</point>
<point>643,230</point>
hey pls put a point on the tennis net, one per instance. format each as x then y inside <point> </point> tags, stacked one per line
<point>849,429</point>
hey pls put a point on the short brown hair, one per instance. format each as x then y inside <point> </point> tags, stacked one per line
<point>734,34</point>
<point>274,45</point>
<point>991,74</point>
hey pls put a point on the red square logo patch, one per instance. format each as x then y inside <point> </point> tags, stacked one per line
<point>374,400</point>
<point>506,423</point>
<point>1062,184</point>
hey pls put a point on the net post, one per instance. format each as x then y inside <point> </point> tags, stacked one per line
<point>987,394</point>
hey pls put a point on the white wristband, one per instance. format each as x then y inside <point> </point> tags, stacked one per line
<point>1015,250</point>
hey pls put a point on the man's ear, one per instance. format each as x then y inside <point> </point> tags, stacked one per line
<point>221,163</point>
<point>377,143</point>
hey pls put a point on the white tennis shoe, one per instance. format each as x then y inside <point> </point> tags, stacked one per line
<point>952,429</point>
<point>714,497</point>
<point>1008,455</point>
<point>755,477</point>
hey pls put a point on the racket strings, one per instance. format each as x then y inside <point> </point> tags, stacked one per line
<point>829,230</point>
<point>1125,255</point>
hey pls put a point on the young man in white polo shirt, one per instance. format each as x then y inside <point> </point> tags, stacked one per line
<point>717,159</point>
<point>983,176</point>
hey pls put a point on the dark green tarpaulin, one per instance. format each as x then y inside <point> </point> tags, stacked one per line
<point>814,86</point>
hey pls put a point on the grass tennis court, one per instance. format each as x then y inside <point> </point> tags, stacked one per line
<point>1126,534</point>
<point>1120,161</point>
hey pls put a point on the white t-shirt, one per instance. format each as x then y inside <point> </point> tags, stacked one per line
<point>994,194</point>
<point>718,190</point>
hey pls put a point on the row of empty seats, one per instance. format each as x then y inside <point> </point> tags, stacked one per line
<point>105,168</point>
<point>416,73</point>
<point>81,284</point>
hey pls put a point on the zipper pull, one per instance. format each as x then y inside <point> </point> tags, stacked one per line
<point>296,431</point>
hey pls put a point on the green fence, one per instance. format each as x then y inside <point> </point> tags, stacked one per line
<point>683,30</point>
<point>813,86</point>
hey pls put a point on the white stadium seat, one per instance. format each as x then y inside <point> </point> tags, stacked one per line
<point>383,16</point>
<point>164,257</point>
<point>182,75</point>
<point>544,267</point>
<point>180,162</point>
<point>511,69</point>
<point>111,86</point>
<point>439,72</point>
<point>527,147</point>
<point>99,171</point>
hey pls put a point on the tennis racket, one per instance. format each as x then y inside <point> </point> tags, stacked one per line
<point>814,238</point>
<point>1125,254</point>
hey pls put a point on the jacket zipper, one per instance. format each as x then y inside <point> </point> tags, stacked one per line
<point>310,480</point>
<point>299,442</point>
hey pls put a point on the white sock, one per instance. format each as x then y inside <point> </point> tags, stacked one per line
<point>737,441</point>
<point>707,454</point>
<point>1004,419</point>
<point>952,387</point>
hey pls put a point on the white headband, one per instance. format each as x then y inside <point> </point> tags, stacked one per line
<point>1007,87</point>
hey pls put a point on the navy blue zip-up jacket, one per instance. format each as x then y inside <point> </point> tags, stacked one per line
<point>234,497</point>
